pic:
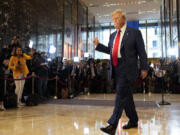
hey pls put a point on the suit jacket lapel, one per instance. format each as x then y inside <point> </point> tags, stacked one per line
<point>125,37</point>
<point>113,38</point>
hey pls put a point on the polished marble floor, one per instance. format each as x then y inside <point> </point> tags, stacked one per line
<point>53,119</point>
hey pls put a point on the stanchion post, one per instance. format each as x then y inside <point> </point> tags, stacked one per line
<point>5,86</point>
<point>33,75</point>
<point>163,102</point>
<point>55,97</point>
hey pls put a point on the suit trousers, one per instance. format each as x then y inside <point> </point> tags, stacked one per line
<point>124,96</point>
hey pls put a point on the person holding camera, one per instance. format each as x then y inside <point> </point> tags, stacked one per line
<point>15,42</point>
<point>19,68</point>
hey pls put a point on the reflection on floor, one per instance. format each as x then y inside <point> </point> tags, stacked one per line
<point>54,119</point>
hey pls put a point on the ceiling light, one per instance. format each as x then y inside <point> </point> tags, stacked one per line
<point>86,131</point>
<point>141,2</point>
<point>106,15</point>
<point>124,3</point>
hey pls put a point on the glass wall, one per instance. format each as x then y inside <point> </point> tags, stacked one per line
<point>104,34</point>
<point>151,34</point>
<point>169,28</point>
<point>174,30</point>
<point>69,26</point>
<point>76,26</point>
<point>82,29</point>
<point>99,34</point>
<point>91,34</point>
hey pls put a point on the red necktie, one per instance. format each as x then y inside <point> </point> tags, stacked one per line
<point>115,49</point>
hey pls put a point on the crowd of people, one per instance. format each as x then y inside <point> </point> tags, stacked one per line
<point>66,79</point>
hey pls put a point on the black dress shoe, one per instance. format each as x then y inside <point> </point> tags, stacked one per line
<point>111,130</point>
<point>130,125</point>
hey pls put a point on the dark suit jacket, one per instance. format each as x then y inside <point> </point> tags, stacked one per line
<point>132,46</point>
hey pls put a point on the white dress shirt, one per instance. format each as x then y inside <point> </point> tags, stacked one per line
<point>123,29</point>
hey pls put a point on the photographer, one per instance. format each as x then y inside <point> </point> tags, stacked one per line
<point>19,68</point>
<point>15,42</point>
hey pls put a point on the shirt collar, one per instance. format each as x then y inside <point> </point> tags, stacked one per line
<point>123,28</point>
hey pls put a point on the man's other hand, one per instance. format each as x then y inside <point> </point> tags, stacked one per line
<point>143,74</point>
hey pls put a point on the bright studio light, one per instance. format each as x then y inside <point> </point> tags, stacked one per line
<point>76,59</point>
<point>86,55</point>
<point>30,44</point>
<point>52,49</point>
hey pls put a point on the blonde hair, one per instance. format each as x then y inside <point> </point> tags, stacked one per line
<point>119,11</point>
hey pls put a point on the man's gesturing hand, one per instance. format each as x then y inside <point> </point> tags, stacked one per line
<point>96,41</point>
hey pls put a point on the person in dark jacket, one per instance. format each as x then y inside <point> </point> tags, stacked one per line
<point>42,72</point>
<point>4,72</point>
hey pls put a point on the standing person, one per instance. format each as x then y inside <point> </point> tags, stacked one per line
<point>125,45</point>
<point>4,72</point>
<point>19,68</point>
<point>42,71</point>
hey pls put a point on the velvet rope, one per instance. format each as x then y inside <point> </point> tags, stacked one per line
<point>24,78</point>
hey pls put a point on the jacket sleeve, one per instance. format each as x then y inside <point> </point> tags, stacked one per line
<point>11,64</point>
<point>141,51</point>
<point>27,57</point>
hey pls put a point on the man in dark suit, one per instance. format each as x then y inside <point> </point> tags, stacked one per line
<point>124,47</point>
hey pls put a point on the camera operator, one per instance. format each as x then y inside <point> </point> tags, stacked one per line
<point>19,68</point>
